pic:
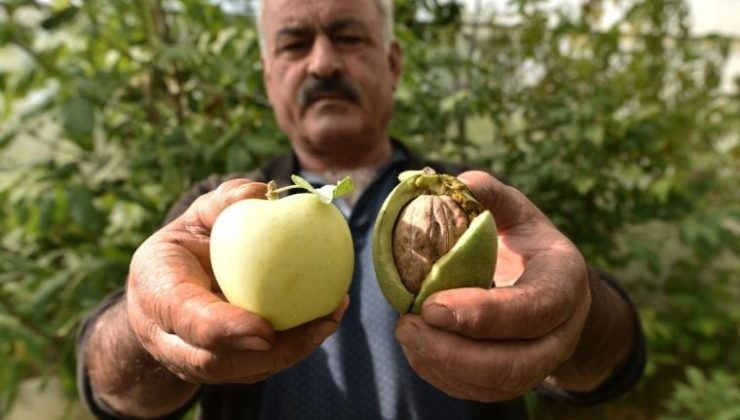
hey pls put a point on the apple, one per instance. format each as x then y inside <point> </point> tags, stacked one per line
<point>289,260</point>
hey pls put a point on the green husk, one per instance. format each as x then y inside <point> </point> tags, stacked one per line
<point>470,262</point>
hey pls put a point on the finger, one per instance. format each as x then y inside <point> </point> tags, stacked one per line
<point>293,345</point>
<point>510,366</point>
<point>171,288</point>
<point>453,386</point>
<point>543,298</point>
<point>226,194</point>
<point>508,206</point>
<point>199,365</point>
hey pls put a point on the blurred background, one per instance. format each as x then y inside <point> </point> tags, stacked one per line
<point>619,118</point>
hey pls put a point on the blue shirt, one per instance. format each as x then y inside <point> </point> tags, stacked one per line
<point>360,372</point>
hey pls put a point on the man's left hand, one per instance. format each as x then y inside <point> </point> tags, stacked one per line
<point>497,344</point>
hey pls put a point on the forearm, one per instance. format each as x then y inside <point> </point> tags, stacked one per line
<point>123,374</point>
<point>607,339</point>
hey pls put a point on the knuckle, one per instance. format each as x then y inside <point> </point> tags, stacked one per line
<point>208,366</point>
<point>224,194</point>
<point>214,326</point>
<point>202,335</point>
<point>147,337</point>
<point>477,323</point>
<point>144,329</point>
<point>230,184</point>
<point>222,187</point>
<point>199,209</point>
<point>205,330</point>
<point>202,199</point>
<point>544,308</point>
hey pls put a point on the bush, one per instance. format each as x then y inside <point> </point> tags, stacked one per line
<point>701,396</point>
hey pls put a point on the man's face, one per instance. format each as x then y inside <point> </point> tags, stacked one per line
<point>328,73</point>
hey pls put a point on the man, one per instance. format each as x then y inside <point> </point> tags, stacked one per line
<point>169,341</point>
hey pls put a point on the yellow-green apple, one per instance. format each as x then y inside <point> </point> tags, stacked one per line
<point>289,260</point>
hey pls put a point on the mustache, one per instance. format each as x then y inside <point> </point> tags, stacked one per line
<point>314,88</point>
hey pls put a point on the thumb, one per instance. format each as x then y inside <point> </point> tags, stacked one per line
<point>508,206</point>
<point>191,230</point>
<point>204,211</point>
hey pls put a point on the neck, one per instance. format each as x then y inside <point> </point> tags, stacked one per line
<point>352,156</point>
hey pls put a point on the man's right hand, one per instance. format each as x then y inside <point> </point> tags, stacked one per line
<point>177,313</point>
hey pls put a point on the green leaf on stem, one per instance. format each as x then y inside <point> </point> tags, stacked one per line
<point>326,194</point>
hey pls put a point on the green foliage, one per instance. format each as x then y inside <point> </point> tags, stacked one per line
<point>701,396</point>
<point>113,113</point>
<point>619,132</point>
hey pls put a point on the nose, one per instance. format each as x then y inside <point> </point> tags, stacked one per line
<point>324,61</point>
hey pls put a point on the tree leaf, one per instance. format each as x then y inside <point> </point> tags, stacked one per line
<point>59,18</point>
<point>82,210</point>
<point>6,138</point>
<point>78,115</point>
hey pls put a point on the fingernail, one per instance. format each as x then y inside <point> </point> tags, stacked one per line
<point>254,343</point>
<point>245,186</point>
<point>439,316</point>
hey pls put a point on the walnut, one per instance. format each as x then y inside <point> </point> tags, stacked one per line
<point>427,228</point>
<point>431,235</point>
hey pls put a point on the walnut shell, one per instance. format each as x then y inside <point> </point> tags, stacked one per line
<point>426,229</point>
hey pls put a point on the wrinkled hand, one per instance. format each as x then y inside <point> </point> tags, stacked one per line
<point>497,344</point>
<point>177,312</point>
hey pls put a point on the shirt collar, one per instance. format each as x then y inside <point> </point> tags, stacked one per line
<point>400,156</point>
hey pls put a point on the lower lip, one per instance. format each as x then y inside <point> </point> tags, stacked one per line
<point>330,102</point>
<point>331,99</point>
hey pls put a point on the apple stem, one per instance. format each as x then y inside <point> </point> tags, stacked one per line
<point>273,192</point>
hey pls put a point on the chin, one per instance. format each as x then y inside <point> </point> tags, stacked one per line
<point>333,132</point>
